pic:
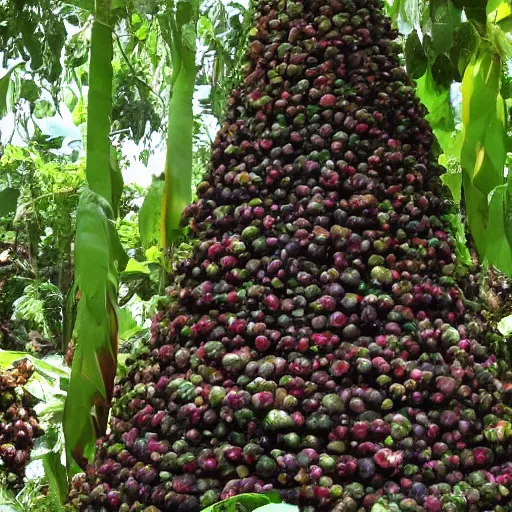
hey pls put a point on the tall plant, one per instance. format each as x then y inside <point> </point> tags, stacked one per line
<point>98,258</point>
<point>179,26</point>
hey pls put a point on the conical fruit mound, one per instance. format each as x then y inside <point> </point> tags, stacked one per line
<point>317,341</point>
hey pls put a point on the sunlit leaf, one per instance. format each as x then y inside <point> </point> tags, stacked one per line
<point>136,267</point>
<point>379,507</point>
<point>143,31</point>
<point>440,111</point>
<point>484,130</point>
<point>498,10</point>
<point>248,502</point>
<point>505,326</point>
<point>279,507</point>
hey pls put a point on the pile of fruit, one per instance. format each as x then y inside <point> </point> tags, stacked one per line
<point>18,424</point>
<point>319,340</point>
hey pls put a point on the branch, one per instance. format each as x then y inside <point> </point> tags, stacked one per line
<point>118,132</point>
<point>142,82</point>
<point>49,194</point>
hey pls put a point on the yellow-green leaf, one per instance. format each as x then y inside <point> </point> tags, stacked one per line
<point>498,251</point>
<point>484,139</point>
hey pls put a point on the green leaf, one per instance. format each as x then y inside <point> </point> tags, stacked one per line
<point>136,267</point>
<point>443,71</point>
<point>4,88</point>
<point>127,325</point>
<point>483,150</point>
<point>29,90</point>
<point>97,251</point>
<point>498,251</point>
<point>150,215</point>
<point>249,502</point>
<point>506,24</point>
<point>94,363</point>
<point>505,326</point>
<point>379,507</point>
<point>44,108</point>
<point>453,180</point>
<point>508,210</point>
<point>415,58</point>
<point>155,255</point>
<point>500,40</point>
<point>117,252</point>
<point>498,10</point>
<point>506,87</point>
<point>408,14</point>
<point>483,116</point>
<point>56,474</point>
<point>52,371</point>
<point>100,110</point>
<point>189,35</point>
<point>445,17</point>
<point>459,233</point>
<point>8,200</point>
<point>281,507</point>
<point>440,111</point>
<point>116,178</point>
<point>143,32</point>
<point>31,36</point>
<point>465,44</point>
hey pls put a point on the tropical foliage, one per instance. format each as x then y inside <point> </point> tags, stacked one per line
<point>95,93</point>
<point>458,51</point>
